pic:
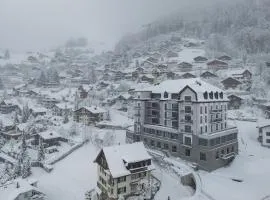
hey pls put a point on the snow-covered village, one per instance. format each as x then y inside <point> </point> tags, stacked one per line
<point>176,109</point>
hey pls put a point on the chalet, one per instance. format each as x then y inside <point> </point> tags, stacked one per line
<point>162,67</point>
<point>230,83</point>
<point>148,64</point>
<point>119,76</point>
<point>48,102</point>
<point>49,138</point>
<point>10,132</point>
<point>156,72</point>
<point>135,75</point>
<point>200,59</point>
<point>152,60</point>
<point>38,111</point>
<point>7,106</point>
<point>185,75</point>
<point>242,75</point>
<point>136,55</point>
<point>106,76</point>
<point>139,69</point>
<point>208,75</point>
<point>156,55</point>
<point>234,102</point>
<point>224,58</point>
<point>60,109</point>
<point>32,59</point>
<point>89,115</point>
<point>123,100</point>
<point>147,78</point>
<point>217,65</point>
<point>123,170</point>
<point>264,132</point>
<point>171,75</point>
<point>103,84</point>
<point>82,92</point>
<point>172,54</point>
<point>21,189</point>
<point>185,66</point>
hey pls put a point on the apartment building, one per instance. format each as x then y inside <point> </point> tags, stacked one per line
<point>123,170</point>
<point>186,118</point>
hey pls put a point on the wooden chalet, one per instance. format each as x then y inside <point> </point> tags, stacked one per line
<point>200,59</point>
<point>208,75</point>
<point>230,83</point>
<point>217,65</point>
<point>89,115</point>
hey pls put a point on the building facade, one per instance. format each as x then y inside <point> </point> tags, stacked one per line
<point>123,170</point>
<point>264,133</point>
<point>186,118</point>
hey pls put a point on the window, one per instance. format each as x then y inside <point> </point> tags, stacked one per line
<point>232,148</point>
<point>174,96</point>
<point>216,127</point>
<point>188,98</point>
<point>267,133</point>
<point>187,109</point>
<point>187,129</point>
<point>166,106</point>
<point>228,150</point>
<point>187,117</point>
<point>152,143</point>
<point>203,142</point>
<point>174,136</point>
<point>121,190</point>
<point>201,130</point>
<point>187,152</point>
<point>206,129</point>
<point>201,110</point>
<point>217,154</point>
<point>218,140</point>
<point>222,152</point>
<point>267,140</point>
<point>223,139</point>
<point>165,122</point>
<point>205,119</point>
<point>166,114</point>
<point>166,146</point>
<point>187,141</point>
<point>121,179</point>
<point>205,109</point>
<point>158,144</point>
<point>175,124</point>
<point>166,95</point>
<point>202,156</point>
<point>221,126</point>
<point>175,106</point>
<point>212,142</point>
<point>174,148</point>
<point>201,119</point>
<point>225,125</point>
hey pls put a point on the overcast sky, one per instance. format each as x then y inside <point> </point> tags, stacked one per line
<point>36,24</point>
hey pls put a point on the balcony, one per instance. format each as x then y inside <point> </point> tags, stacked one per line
<point>190,112</point>
<point>183,121</point>
<point>215,110</point>
<point>216,120</point>
<point>140,169</point>
<point>186,131</point>
<point>228,156</point>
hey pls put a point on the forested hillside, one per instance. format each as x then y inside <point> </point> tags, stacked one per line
<point>238,28</point>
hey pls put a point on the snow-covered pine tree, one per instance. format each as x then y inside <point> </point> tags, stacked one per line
<point>16,119</point>
<point>17,169</point>
<point>26,169</point>
<point>25,113</point>
<point>93,78</point>
<point>42,79</point>
<point>1,85</point>
<point>7,55</point>
<point>41,152</point>
<point>66,120</point>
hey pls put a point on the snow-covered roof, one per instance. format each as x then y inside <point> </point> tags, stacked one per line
<point>10,191</point>
<point>64,105</point>
<point>263,123</point>
<point>47,135</point>
<point>130,153</point>
<point>175,86</point>
<point>95,109</point>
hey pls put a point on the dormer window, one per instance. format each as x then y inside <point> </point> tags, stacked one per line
<point>221,95</point>
<point>205,95</point>
<point>188,98</point>
<point>166,95</point>
<point>216,95</point>
<point>211,95</point>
